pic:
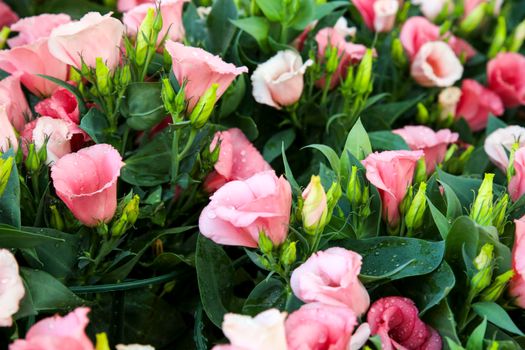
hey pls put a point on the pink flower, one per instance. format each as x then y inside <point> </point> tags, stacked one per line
<point>7,16</point>
<point>435,64</point>
<point>332,277</point>
<point>378,15</point>
<point>448,100</point>
<point>87,182</point>
<point>262,332</point>
<point>171,11</point>
<point>29,60</point>
<point>417,31</point>
<point>238,159</point>
<point>348,53</point>
<point>517,283</point>
<point>317,326</point>
<point>13,98</point>
<point>52,133</point>
<point>61,105</point>
<point>11,288</point>
<point>30,29</point>
<point>396,321</point>
<point>471,5</point>
<point>279,81</point>
<point>58,333</point>
<point>239,210</point>
<point>126,5</point>
<point>499,144</point>
<point>85,40</point>
<point>477,103</point>
<point>391,172</point>
<point>506,77</point>
<point>341,27</point>
<point>8,138</point>
<point>432,8</point>
<point>517,183</point>
<point>200,69</point>
<point>433,144</point>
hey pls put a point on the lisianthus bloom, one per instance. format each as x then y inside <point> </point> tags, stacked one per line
<point>8,138</point>
<point>448,100</point>
<point>396,321</point>
<point>435,64</point>
<point>14,100</point>
<point>28,61</point>
<point>94,35</point>
<point>262,332</point>
<point>62,104</point>
<point>279,81</point>
<point>517,283</point>
<point>506,77</point>
<point>433,144</point>
<point>58,333</point>
<point>240,210</point>
<point>87,183</point>
<point>477,103</point>
<point>378,15</point>
<point>238,159</point>
<point>315,206</point>
<point>471,5</point>
<point>7,16</point>
<point>11,288</point>
<point>30,29</point>
<point>171,11</point>
<point>126,5</point>
<point>391,172</point>
<point>432,8</point>
<point>52,133</point>
<point>341,27</point>
<point>332,277</point>
<point>200,69</point>
<point>498,144</point>
<point>517,182</point>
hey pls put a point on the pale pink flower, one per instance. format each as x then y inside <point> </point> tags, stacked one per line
<point>30,29</point>
<point>11,288</point>
<point>436,64</point>
<point>498,144</point>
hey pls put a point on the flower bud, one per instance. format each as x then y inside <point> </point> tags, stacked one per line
<point>497,287</point>
<point>517,38</point>
<point>405,203</point>
<point>450,152</point>
<point>127,218</point>
<point>56,220</point>
<point>143,37</point>
<point>353,190</point>
<point>421,171</point>
<point>132,210</point>
<point>202,111</point>
<point>315,207</point>
<point>124,77</point>
<point>362,83</point>
<point>482,208</point>
<point>422,116</point>
<point>332,59</point>
<point>168,96</point>
<point>4,34</point>
<point>448,101</point>
<point>416,211</point>
<point>103,77</point>
<point>398,53</point>
<point>474,19</point>
<point>32,161</point>
<point>102,342</point>
<point>485,257</point>
<point>484,263</point>
<point>498,38</point>
<point>445,28</point>
<point>265,243</point>
<point>499,214</point>
<point>6,166</point>
<point>510,168</point>
<point>289,253</point>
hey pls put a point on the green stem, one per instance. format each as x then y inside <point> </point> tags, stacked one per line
<point>189,143</point>
<point>284,34</point>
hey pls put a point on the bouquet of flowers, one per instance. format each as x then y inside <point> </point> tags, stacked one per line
<point>262,174</point>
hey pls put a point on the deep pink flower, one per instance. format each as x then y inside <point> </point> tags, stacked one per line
<point>477,103</point>
<point>391,172</point>
<point>517,284</point>
<point>61,105</point>
<point>11,288</point>
<point>30,29</point>
<point>396,321</point>
<point>506,77</point>
<point>7,16</point>
<point>13,98</point>
<point>87,182</point>
<point>239,210</point>
<point>238,159</point>
<point>433,144</point>
<point>378,15</point>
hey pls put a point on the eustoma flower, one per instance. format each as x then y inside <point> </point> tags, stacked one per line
<point>432,8</point>
<point>12,97</point>
<point>126,5</point>
<point>517,284</point>
<point>239,210</point>
<point>500,143</point>
<point>433,144</point>
<point>8,138</point>
<point>30,29</point>
<point>517,182</point>
<point>332,277</point>
<point>87,183</point>
<point>7,16</point>
<point>279,81</point>
<point>238,159</point>
<point>477,103</point>
<point>378,15</point>
<point>506,77</point>
<point>396,321</point>
<point>435,64</point>
<point>54,134</point>
<point>11,287</point>
<point>391,172</point>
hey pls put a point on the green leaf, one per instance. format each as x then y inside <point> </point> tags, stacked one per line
<point>257,27</point>
<point>95,124</point>
<point>220,28</point>
<point>475,341</point>
<point>305,15</point>
<point>323,10</point>
<point>272,9</point>
<point>195,27</point>
<point>215,276</point>
<point>266,295</point>
<point>11,237</point>
<point>497,315</point>
<point>330,154</point>
<point>358,142</point>
<point>143,107</point>
<point>156,157</point>
<point>71,88</point>
<point>442,223</point>
<point>494,124</point>
<point>453,204</point>
<point>384,115</point>
<point>441,318</point>
<point>233,96</point>
<point>47,293</point>
<point>248,127</point>
<point>273,147</point>
<point>427,291</point>
<point>10,199</point>
<point>405,257</point>
<point>289,174</point>
<point>387,141</point>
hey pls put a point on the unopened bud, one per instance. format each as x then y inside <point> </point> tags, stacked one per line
<point>517,38</point>
<point>124,76</point>
<point>202,111</point>
<point>56,220</point>
<point>511,171</point>
<point>474,19</point>
<point>498,38</point>
<point>499,214</point>
<point>484,263</point>
<point>132,210</point>
<point>420,174</point>
<point>485,257</point>
<point>32,161</point>
<point>353,190</point>
<point>265,243</point>
<point>448,101</point>
<point>332,59</point>
<point>4,34</point>
<point>481,211</point>
<point>362,83</point>
<point>445,28</point>
<point>74,75</point>
<point>6,166</point>
<point>416,211</point>
<point>168,96</point>
<point>450,152</point>
<point>398,53</point>
<point>405,203</point>
<point>332,197</point>
<point>289,254</point>
<point>103,77</point>
<point>144,36</point>
<point>497,287</point>
<point>422,116</point>
<point>102,342</point>
<point>315,207</point>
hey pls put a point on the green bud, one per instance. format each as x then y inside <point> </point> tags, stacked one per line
<point>289,254</point>
<point>485,257</point>
<point>120,225</point>
<point>517,38</point>
<point>129,214</point>
<point>265,262</point>
<point>157,23</point>
<point>482,208</point>
<point>474,19</point>
<point>484,263</point>
<point>422,116</point>
<point>315,207</point>
<point>124,76</point>
<point>499,214</point>
<point>332,197</point>
<point>450,152</point>
<point>365,208</point>
<point>56,220</point>
<point>42,152</point>
<point>405,203</point>
<point>416,211</point>
<point>132,210</point>
<point>6,166</point>
<point>498,38</point>
<point>510,168</point>
<point>494,345</point>
<point>349,80</point>
<point>32,161</point>
<point>74,75</point>
<point>103,77</point>
<point>353,190</point>
<point>332,59</point>
<point>445,28</point>
<point>497,287</point>
<point>202,111</point>
<point>4,34</point>
<point>143,37</point>
<point>362,83</point>
<point>168,96</point>
<point>265,243</point>
<point>102,342</point>
<point>102,229</point>
<point>398,53</point>
<point>421,171</point>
